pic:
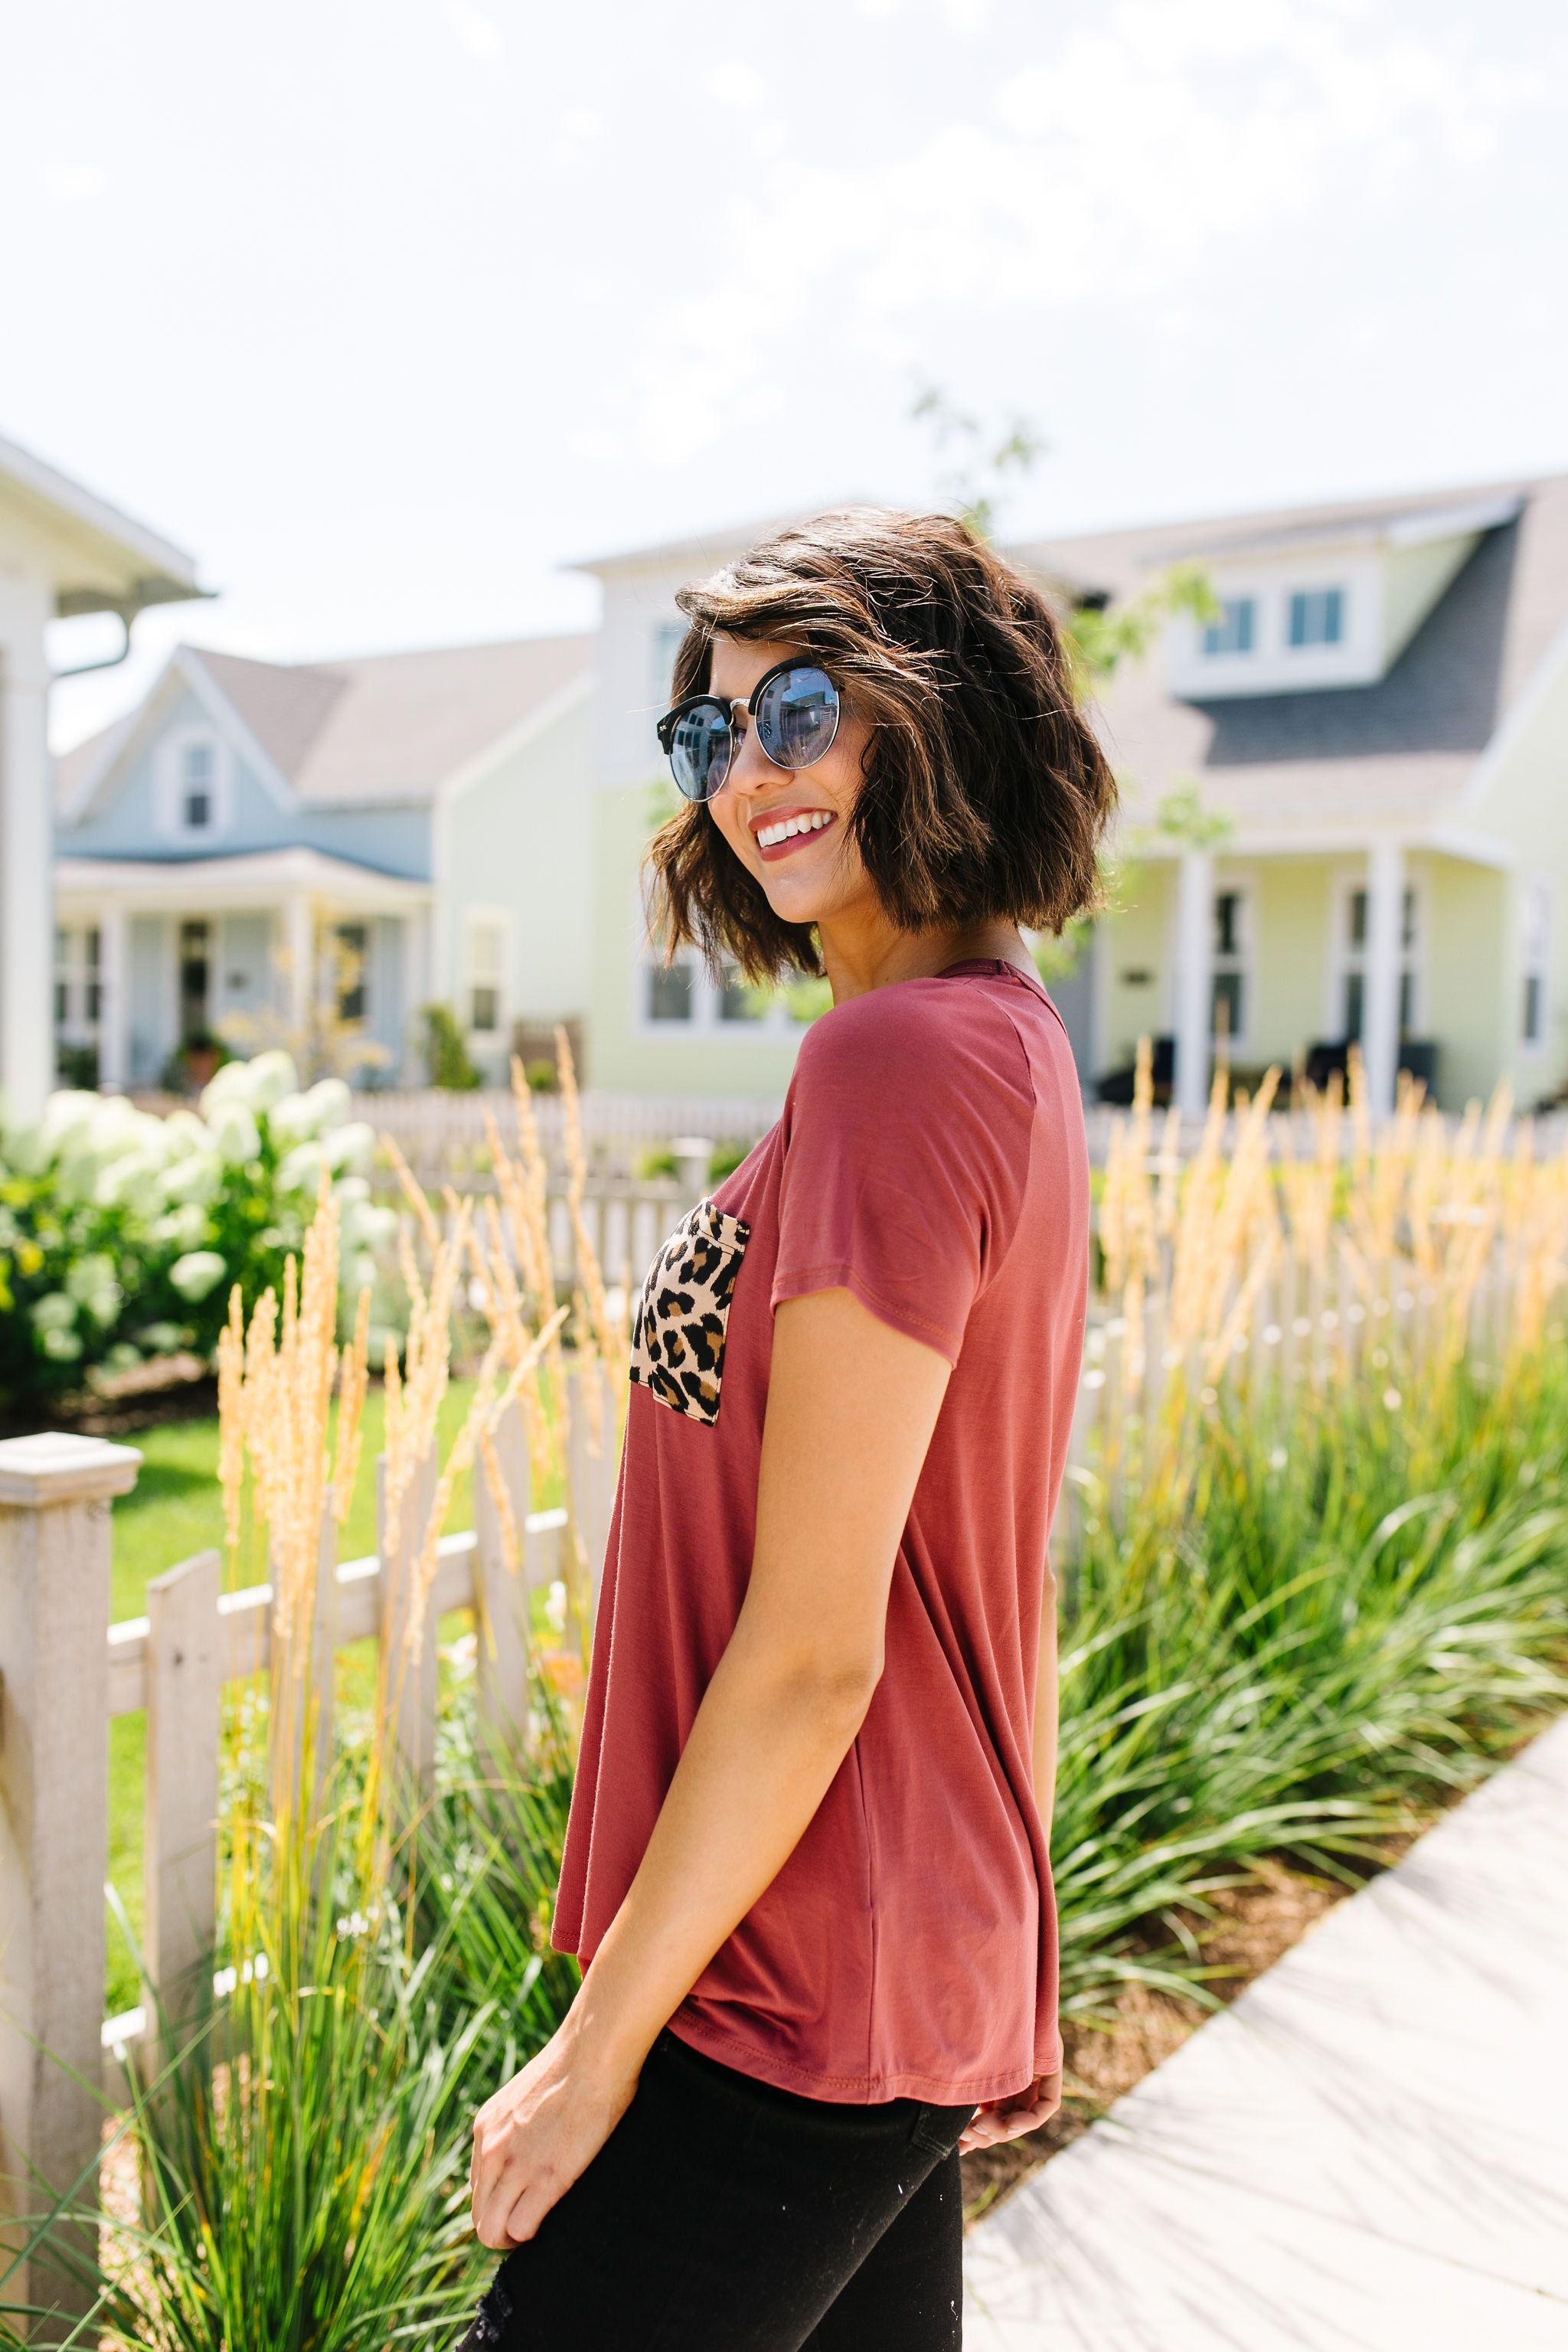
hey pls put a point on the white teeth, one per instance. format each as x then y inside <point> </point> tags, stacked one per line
<point>769,835</point>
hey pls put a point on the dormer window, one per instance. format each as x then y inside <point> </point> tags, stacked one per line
<point>197,766</point>
<point>1317,616</point>
<point>195,786</point>
<point>1233,632</point>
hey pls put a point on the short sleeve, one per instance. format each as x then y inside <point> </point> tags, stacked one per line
<point>906,1145</point>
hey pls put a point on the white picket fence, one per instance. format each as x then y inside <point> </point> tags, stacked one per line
<point>66,1671</point>
<point>443,1136</point>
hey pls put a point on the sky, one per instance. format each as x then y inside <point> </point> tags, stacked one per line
<point>390,310</point>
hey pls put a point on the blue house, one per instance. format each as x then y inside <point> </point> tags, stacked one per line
<point>260,845</point>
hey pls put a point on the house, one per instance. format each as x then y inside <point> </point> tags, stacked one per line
<point>1374,731</point>
<point>1378,720</point>
<point>1371,732</point>
<point>260,843</point>
<point>62,551</point>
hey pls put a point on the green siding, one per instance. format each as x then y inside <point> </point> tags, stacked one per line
<point>625,1053</point>
<point>1137,933</point>
<point>1463,963</point>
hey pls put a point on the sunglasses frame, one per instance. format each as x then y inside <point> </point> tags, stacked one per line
<point>732,703</point>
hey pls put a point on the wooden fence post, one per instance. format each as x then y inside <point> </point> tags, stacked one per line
<point>408,1673</point>
<point>501,1591</point>
<point>693,1167</point>
<point>591,1470</point>
<point>184,1700</point>
<point>55,1494</point>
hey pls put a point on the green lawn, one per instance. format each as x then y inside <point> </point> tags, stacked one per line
<point>174,1509</point>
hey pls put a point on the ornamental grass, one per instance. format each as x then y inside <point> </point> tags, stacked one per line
<point>1313,1580</point>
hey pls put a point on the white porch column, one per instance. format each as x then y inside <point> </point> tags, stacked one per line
<point>299,953</point>
<point>1193,1022</point>
<point>26,890</point>
<point>418,988</point>
<point>113,999</point>
<point>1384,946</point>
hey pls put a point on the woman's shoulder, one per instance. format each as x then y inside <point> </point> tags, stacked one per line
<point>918,1040</point>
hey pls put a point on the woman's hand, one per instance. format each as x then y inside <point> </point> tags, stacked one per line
<point>538,2134</point>
<point>1025,2110</point>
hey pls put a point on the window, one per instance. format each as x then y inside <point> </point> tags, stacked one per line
<point>1233,632</point>
<point>1230,956</point>
<point>1353,971</point>
<point>1317,616</point>
<point>195,785</point>
<point>197,766</point>
<point>738,999</point>
<point>666,637</point>
<point>1536,945</point>
<point>685,994</point>
<point>672,992</point>
<point>487,973</point>
<point>78,980</point>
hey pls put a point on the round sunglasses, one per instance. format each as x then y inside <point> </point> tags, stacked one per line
<point>794,707</point>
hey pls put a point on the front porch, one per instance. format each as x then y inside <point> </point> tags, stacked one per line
<point>1288,954</point>
<point>285,947</point>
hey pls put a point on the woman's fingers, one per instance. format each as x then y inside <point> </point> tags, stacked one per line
<point>1011,2119</point>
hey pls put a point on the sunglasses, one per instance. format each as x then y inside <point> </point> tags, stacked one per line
<point>794,707</point>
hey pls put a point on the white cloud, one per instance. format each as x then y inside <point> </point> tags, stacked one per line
<point>1157,137</point>
<point>75,183</point>
<point>735,85</point>
<point>476,29</point>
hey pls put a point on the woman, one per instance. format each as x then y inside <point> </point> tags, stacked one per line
<point>807,1862</point>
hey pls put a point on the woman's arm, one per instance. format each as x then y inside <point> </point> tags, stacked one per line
<point>851,1408</point>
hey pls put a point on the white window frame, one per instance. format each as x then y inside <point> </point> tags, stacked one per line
<point>1242,961</point>
<point>666,635</point>
<point>1349,957</point>
<point>496,921</point>
<point>170,785</point>
<point>1319,588</point>
<point>1535,927</point>
<point>707,1019</point>
<point>78,972</point>
<point>1247,601</point>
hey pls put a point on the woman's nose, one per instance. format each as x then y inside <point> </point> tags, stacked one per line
<point>750,766</point>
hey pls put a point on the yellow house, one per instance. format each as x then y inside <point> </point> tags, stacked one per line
<point>1375,731</point>
<point>1379,720</point>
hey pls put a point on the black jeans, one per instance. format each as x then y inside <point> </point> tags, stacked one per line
<point>722,2215</point>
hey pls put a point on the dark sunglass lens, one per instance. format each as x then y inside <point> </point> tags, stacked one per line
<point>797,717</point>
<point>700,750</point>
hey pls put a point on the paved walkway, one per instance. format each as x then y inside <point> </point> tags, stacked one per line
<point>1367,2152</point>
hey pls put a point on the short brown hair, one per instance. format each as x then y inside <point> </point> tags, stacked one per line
<point>985,791</point>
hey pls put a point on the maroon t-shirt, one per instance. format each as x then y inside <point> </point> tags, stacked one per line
<point>931,1159</point>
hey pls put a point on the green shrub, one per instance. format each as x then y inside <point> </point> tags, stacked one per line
<point>122,1234</point>
<point>447,1060</point>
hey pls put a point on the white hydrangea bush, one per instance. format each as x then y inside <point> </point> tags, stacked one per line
<point>122,1233</point>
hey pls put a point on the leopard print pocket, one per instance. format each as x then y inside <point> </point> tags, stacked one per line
<point>683,1315</point>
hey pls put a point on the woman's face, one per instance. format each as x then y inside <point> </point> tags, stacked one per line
<point>813,875</point>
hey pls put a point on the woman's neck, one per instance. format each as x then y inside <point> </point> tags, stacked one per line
<point>863,956</point>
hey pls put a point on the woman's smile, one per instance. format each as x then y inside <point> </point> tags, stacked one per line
<point>782,831</point>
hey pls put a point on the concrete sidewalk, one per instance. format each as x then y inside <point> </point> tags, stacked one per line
<point>1368,2152</point>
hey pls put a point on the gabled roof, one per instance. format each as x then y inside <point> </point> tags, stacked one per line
<point>373,730</point>
<point>103,558</point>
<point>1397,751</point>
